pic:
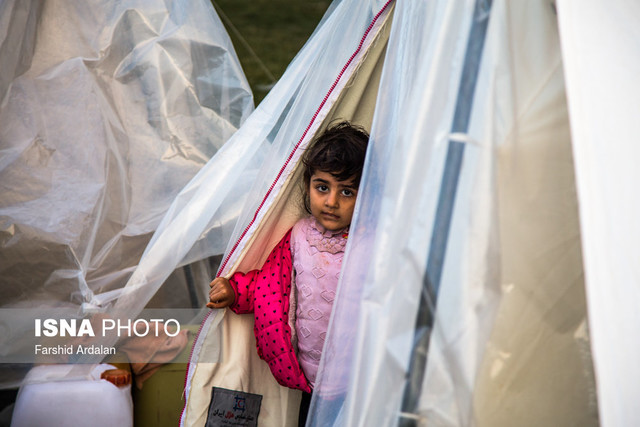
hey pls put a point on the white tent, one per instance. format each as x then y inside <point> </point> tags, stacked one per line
<point>535,99</point>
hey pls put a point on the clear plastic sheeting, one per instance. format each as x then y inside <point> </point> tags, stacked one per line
<point>509,343</point>
<point>111,108</point>
<point>108,110</point>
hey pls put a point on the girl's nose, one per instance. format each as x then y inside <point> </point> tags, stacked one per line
<point>332,199</point>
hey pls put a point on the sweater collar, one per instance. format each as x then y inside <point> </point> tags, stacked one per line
<point>344,232</point>
<point>326,240</point>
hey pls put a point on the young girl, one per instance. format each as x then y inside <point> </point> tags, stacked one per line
<point>313,249</point>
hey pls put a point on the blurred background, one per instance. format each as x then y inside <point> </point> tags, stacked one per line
<point>267,34</point>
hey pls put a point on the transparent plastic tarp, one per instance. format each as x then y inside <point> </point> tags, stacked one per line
<point>108,110</point>
<point>509,343</point>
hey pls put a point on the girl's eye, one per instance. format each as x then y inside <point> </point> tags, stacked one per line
<point>347,193</point>
<point>322,188</point>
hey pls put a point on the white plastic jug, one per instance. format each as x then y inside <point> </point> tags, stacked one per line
<point>72,395</point>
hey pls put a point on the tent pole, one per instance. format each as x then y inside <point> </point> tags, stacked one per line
<point>444,213</point>
<point>191,286</point>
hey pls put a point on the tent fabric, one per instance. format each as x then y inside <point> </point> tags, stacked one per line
<point>108,110</point>
<point>224,356</point>
<point>600,52</point>
<point>511,340</point>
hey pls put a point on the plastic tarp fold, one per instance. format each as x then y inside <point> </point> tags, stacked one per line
<point>108,110</point>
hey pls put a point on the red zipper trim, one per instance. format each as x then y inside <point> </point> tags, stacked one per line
<point>273,184</point>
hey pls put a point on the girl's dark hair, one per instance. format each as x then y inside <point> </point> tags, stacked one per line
<point>339,150</point>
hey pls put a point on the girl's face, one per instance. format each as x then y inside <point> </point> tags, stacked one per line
<point>332,201</point>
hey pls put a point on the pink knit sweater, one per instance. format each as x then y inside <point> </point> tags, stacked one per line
<point>317,258</point>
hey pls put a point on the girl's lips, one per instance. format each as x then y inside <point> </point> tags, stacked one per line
<point>330,216</point>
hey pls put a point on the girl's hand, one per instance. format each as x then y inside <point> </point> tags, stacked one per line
<point>221,294</point>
